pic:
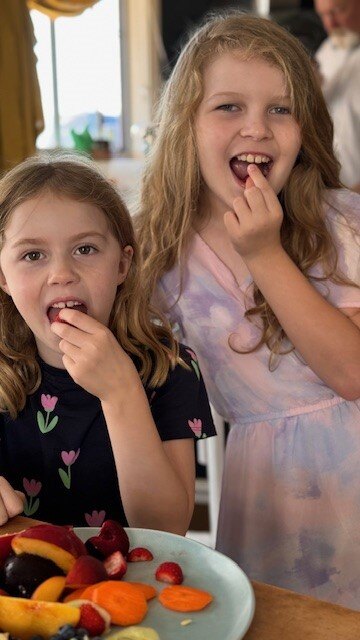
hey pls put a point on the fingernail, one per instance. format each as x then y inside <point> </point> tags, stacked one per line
<point>251,167</point>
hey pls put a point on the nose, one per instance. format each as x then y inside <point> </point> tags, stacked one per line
<point>255,126</point>
<point>330,22</point>
<point>62,272</point>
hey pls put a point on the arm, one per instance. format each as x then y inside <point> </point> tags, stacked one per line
<point>11,501</point>
<point>156,479</point>
<point>327,339</point>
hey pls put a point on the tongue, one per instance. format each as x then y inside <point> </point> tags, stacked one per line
<point>240,168</point>
<point>53,312</point>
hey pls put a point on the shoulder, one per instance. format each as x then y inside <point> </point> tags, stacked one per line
<point>323,49</point>
<point>180,407</point>
<point>185,372</point>
<point>342,208</point>
<point>342,216</point>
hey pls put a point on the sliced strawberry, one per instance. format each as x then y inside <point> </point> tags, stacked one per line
<point>56,318</point>
<point>139,554</point>
<point>169,572</point>
<point>53,313</point>
<point>115,565</point>
<point>93,618</point>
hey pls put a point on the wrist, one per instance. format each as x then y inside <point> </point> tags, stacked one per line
<point>127,393</point>
<point>264,257</point>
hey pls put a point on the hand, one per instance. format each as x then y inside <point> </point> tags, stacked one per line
<point>93,356</point>
<point>254,225</point>
<point>11,501</point>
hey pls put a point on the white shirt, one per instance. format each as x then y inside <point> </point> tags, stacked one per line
<point>340,69</point>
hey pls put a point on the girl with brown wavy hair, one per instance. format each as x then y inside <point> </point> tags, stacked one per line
<point>99,404</point>
<point>252,247</point>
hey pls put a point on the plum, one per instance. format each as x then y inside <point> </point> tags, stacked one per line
<point>111,537</point>
<point>22,574</point>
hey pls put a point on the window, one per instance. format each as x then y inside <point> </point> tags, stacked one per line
<point>79,70</point>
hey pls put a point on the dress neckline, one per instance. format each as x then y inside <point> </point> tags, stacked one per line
<point>225,273</point>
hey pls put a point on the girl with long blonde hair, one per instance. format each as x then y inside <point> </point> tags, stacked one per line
<point>99,404</point>
<point>252,247</point>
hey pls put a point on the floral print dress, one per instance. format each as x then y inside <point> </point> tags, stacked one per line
<point>290,506</point>
<point>58,450</point>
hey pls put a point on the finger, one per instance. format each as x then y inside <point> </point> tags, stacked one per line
<point>77,319</point>
<point>249,183</point>
<point>11,501</point>
<point>262,183</point>
<point>232,223</point>
<point>256,200</point>
<point>241,207</point>
<point>70,350</point>
<point>69,333</point>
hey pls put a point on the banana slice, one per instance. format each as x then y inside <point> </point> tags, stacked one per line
<point>134,633</point>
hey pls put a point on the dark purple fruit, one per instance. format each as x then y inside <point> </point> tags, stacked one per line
<point>23,573</point>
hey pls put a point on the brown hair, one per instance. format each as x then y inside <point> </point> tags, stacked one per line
<point>172,182</point>
<point>131,320</point>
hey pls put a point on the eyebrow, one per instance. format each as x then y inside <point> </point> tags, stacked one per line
<point>232,95</point>
<point>40,241</point>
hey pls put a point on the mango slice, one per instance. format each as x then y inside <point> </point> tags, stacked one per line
<point>24,618</point>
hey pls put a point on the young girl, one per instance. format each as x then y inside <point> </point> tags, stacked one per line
<point>254,249</point>
<point>99,409</point>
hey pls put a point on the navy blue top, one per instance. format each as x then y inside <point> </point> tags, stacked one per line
<point>58,450</point>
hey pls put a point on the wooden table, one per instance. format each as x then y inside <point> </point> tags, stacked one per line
<point>279,614</point>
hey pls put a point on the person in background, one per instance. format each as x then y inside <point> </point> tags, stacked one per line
<point>252,248</point>
<point>99,405</point>
<point>339,61</point>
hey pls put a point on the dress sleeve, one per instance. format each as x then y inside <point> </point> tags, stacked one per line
<point>180,407</point>
<point>343,221</point>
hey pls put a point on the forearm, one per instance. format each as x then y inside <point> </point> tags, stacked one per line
<point>327,340</point>
<point>152,493</point>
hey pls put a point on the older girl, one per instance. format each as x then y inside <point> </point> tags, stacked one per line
<point>253,249</point>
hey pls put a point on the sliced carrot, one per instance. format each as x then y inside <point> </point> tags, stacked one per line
<point>87,592</point>
<point>147,589</point>
<point>182,598</point>
<point>125,603</point>
<point>50,590</point>
<point>75,595</point>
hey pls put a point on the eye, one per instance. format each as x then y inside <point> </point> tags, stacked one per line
<point>227,107</point>
<point>86,250</point>
<point>280,111</point>
<point>32,256</point>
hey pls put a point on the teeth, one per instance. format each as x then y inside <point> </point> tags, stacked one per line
<point>63,305</point>
<point>249,157</point>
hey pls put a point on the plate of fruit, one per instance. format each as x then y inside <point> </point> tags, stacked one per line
<point>118,584</point>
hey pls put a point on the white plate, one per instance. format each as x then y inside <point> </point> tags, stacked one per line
<point>228,617</point>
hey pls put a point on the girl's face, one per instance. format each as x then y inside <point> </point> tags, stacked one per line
<point>244,116</point>
<point>57,250</point>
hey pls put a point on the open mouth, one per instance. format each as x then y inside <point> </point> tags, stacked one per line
<point>54,310</point>
<point>239,165</point>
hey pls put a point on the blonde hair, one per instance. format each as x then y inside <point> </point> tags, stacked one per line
<point>172,182</point>
<point>131,319</point>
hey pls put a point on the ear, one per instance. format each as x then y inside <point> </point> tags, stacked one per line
<point>3,284</point>
<point>125,262</point>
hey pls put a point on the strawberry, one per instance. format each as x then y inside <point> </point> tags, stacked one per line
<point>115,565</point>
<point>92,620</point>
<point>139,554</point>
<point>169,572</point>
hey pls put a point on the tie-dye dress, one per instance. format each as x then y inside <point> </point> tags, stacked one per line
<point>290,508</point>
